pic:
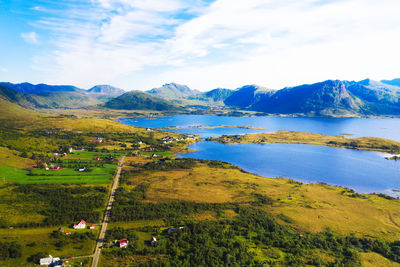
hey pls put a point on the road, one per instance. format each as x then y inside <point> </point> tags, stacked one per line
<point>107,216</point>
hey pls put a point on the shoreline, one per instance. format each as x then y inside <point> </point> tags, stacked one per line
<point>375,144</point>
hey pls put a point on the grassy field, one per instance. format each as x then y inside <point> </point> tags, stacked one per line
<point>312,207</point>
<point>291,137</point>
<point>35,240</point>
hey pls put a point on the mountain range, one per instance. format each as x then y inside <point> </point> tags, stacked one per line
<point>57,96</point>
<point>327,98</point>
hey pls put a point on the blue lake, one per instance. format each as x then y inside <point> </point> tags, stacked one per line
<point>385,128</point>
<point>363,171</point>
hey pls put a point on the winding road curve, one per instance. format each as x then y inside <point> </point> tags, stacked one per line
<point>107,216</point>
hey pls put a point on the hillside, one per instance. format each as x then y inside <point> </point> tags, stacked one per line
<point>173,91</point>
<point>328,98</point>
<point>247,95</point>
<point>55,96</point>
<point>215,95</point>
<point>106,89</point>
<point>136,100</point>
<point>29,88</point>
<point>325,98</point>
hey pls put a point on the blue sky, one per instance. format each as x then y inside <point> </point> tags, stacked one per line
<point>141,44</point>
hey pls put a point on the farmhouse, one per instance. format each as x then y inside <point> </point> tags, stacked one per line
<point>97,158</point>
<point>91,226</point>
<point>70,150</point>
<point>82,169</point>
<point>80,225</point>
<point>64,154</point>
<point>153,241</point>
<point>123,243</point>
<point>51,261</point>
<point>99,140</point>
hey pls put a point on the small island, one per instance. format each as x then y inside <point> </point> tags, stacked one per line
<point>293,137</point>
<point>212,127</point>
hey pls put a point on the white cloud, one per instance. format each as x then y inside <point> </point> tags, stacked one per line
<point>228,43</point>
<point>30,37</point>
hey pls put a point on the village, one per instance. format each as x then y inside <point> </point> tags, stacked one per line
<point>63,160</point>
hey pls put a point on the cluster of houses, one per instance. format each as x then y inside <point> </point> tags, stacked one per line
<point>51,261</point>
<point>169,139</point>
<point>82,225</point>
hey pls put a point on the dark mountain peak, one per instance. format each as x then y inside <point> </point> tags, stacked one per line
<point>106,90</point>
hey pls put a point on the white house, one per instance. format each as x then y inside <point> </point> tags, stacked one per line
<point>82,169</point>
<point>123,243</point>
<point>50,260</point>
<point>80,225</point>
<point>70,149</point>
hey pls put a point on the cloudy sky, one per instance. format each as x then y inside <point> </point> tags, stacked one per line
<point>205,44</point>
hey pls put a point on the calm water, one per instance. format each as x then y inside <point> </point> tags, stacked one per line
<point>363,171</point>
<point>386,128</point>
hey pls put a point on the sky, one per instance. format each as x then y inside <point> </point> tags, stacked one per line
<point>205,44</point>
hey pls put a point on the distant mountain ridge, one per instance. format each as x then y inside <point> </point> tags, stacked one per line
<point>331,97</point>
<point>56,96</point>
<point>327,98</point>
<point>173,91</point>
<point>106,89</point>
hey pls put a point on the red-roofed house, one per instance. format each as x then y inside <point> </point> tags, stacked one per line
<point>80,225</point>
<point>123,243</point>
<point>97,158</point>
<point>91,226</point>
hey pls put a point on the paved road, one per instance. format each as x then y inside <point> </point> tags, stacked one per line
<point>107,216</point>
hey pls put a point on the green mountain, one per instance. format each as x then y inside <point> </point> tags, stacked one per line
<point>324,98</point>
<point>248,95</point>
<point>332,97</point>
<point>136,100</point>
<point>215,95</point>
<point>56,96</point>
<point>106,90</point>
<point>173,91</point>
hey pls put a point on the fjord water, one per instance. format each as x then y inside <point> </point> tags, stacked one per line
<point>362,171</point>
<point>385,128</point>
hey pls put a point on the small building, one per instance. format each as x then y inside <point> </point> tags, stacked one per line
<point>55,154</point>
<point>50,261</point>
<point>97,158</point>
<point>80,225</point>
<point>153,241</point>
<point>91,226</point>
<point>55,167</point>
<point>70,149</point>
<point>61,230</point>
<point>67,233</point>
<point>64,155</point>
<point>123,243</point>
<point>80,149</point>
<point>82,169</point>
<point>99,140</point>
<point>154,155</point>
